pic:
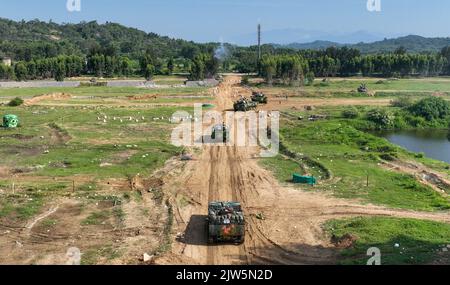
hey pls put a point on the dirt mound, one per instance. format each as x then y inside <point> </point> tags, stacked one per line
<point>143,97</point>
<point>5,171</point>
<point>51,96</point>
<point>439,94</point>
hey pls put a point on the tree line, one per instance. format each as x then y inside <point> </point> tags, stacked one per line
<point>301,67</point>
<point>43,50</point>
<point>288,68</point>
<point>58,68</point>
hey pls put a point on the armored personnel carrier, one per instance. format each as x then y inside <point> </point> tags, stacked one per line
<point>226,223</point>
<point>363,88</point>
<point>259,97</point>
<point>244,105</point>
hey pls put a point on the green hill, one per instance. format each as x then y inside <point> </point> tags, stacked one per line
<point>36,39</point>
<point>412,43</point>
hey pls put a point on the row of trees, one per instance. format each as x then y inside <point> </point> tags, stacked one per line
<point>304,65</point>
<point>290,69</point>
<point>101,65</point>
<point>380,65</point>
<point>204,66</point>
<point>58,68</point>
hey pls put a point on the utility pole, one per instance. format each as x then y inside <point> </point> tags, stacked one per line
<point>259,46</point>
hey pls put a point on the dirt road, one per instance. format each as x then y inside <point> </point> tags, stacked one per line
<point>291,231</point>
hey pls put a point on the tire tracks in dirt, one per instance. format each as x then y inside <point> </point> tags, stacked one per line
<point>291,230</point>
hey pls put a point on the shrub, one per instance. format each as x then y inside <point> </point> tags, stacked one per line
<point>388,156</point>
<point>351,113</point>
<point>245,80</point>
<point>381,117</point>
<point>15,102</point>
<point>431,108</point>
<point>419,155</point>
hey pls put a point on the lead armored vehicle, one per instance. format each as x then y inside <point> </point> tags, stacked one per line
<point>226,223</point>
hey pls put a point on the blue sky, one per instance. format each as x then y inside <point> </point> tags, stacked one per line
<point>213,20</point>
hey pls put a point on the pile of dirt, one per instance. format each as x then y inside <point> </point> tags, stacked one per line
<point>50,96</point>
<point>143,97</point>
<point>5,171</point>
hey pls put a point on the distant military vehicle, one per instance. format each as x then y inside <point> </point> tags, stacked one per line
<point>226,223</point>
<point>259,97</point>
<point>244,105</point>
<point>363,88</point>
<point>220,132</point>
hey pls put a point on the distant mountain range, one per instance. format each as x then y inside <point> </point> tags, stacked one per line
<point>365,41</point>
<point>287,36</point>
<point>412,43</point>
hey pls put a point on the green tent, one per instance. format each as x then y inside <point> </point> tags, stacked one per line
<point>10,121</point>
<point>311,180</point>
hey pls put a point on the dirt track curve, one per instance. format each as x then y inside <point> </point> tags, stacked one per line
<point>291,232</point>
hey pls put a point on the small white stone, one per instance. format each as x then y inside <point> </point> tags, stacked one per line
<point>147,257</point>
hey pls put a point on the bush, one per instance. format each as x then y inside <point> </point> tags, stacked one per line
<point>420,155</point>
<point>388,156</point>
<point>431,108</point>
<point>245,80</point>
<point>381,117</point>
<point>351,113</point>
<point>15,102</point>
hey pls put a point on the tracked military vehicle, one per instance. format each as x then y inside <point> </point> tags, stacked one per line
<point>220,133</point>
<point>259,97</point>
<point>363,88</point>
<point>226,223</point>
<point>244,105</point>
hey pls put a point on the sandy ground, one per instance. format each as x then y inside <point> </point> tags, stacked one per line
<point>52,97</point>
<point>291,231</point>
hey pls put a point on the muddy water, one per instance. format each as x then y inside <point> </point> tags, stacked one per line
<point>433,143</point>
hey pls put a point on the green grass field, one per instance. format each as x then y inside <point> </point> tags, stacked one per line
<point>351,156</point>
<point>92,142</point>
<point>98,92</point>
<point>347,88</point>
<point>419,242</point>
